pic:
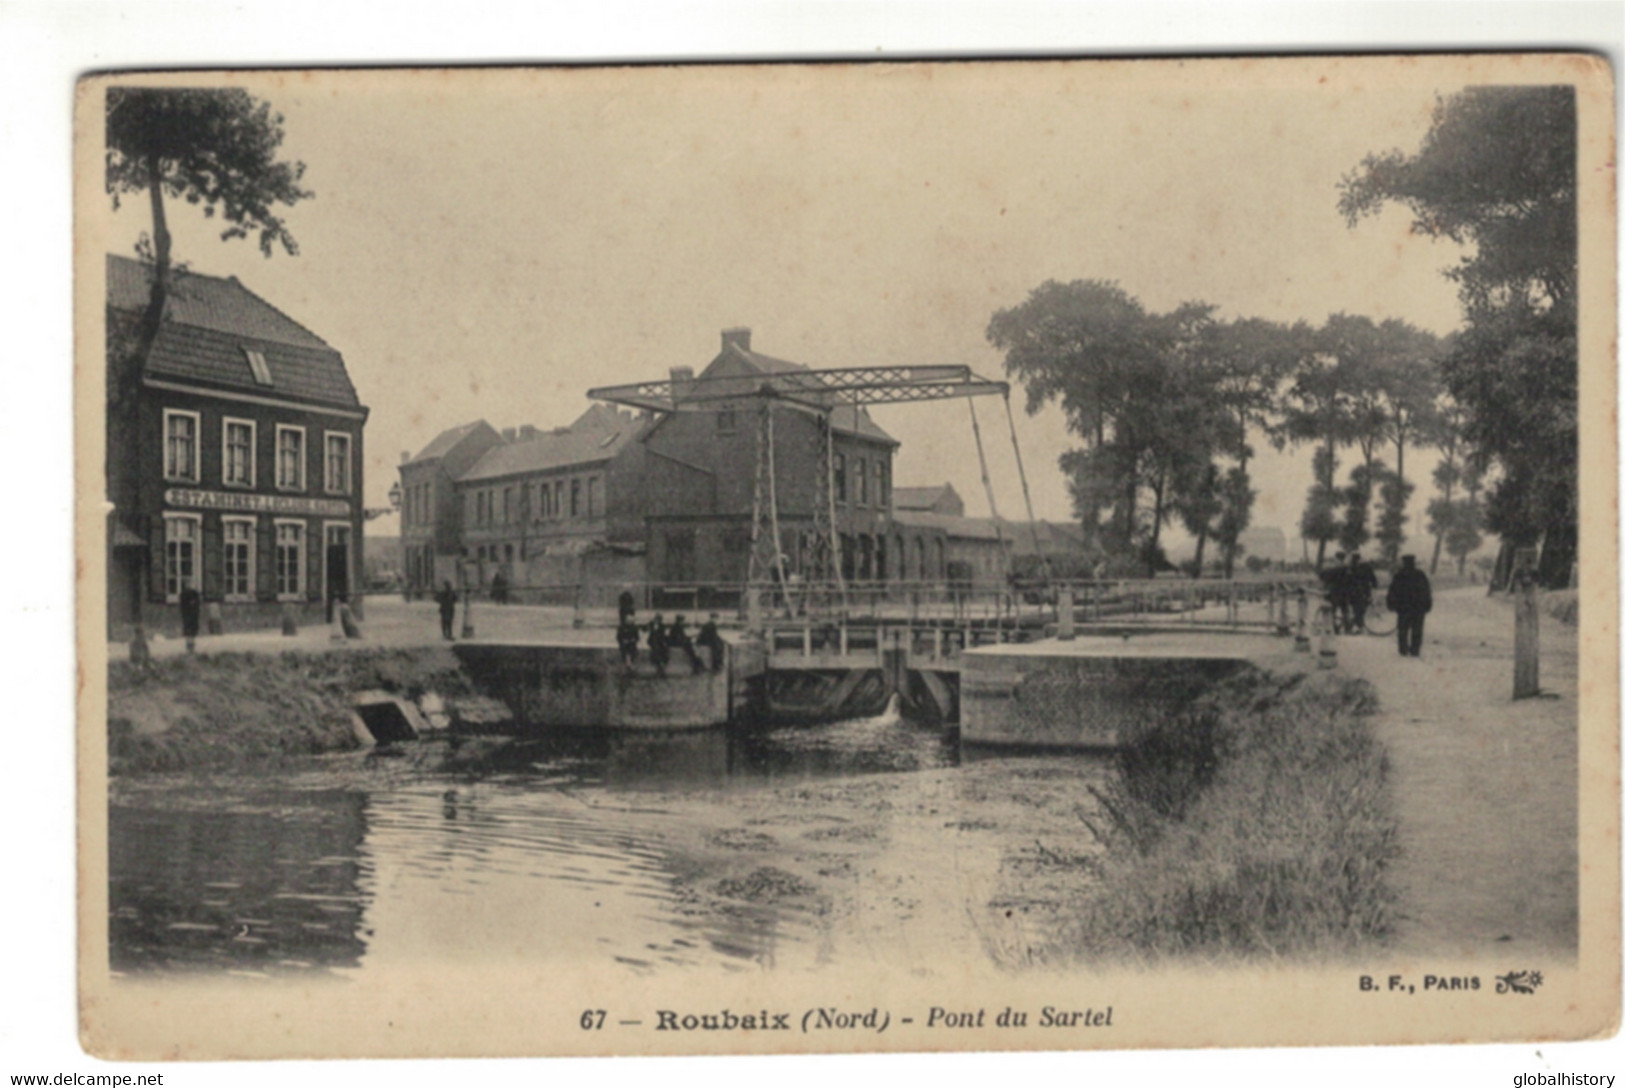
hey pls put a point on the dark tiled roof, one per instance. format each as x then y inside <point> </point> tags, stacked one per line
<point>210,322</point>
<point>446,441</point>
<point>594,437</point>
<point>207,302</point>
<point>849,420</point>
<point>846,419</point>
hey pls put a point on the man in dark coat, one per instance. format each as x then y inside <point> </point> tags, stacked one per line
<point>626,637</point>
<point>711,639</point>
<point>659,654</point>
<point>1362,583</point>
<point>1335,580</point>
<point>677,638</point>
<point>447,600</point>
<point>628,606</point>
<point>1410,599</point>
<point>191,606</point>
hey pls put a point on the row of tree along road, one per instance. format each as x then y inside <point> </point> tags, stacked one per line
<point>1166,404</point>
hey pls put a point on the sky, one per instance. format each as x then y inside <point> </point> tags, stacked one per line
<point>491,244</point>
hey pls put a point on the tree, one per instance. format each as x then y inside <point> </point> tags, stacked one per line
<point>1136,387</point>
<point>215,148</point>
<point>1236,495</point>
<point>1355,529</point>
<point>1329,404</point>
<point>1319,520</point>
<point>1496,174</point>
<point>1253,358</point>
<point>1396,492</point>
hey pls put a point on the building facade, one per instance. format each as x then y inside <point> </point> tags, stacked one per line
<point>671,498</point>
<point>234,461</point>
<point>701,468</point>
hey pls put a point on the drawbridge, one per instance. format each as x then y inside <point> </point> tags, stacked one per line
<point>822,393</point>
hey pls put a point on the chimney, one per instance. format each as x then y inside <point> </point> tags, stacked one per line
<point>682,382</point>
<point>527,432</point>
<point>739,337</point>
<point>509,434</point>
<point>406,455</point>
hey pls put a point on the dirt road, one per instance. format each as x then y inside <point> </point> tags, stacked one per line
<point>1486,788</point>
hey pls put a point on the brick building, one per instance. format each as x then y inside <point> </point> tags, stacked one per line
<point>432,509</point>
<point>700,480</point>
<point>623,497</point>
<point>236,464</point>
<point>535,505</point>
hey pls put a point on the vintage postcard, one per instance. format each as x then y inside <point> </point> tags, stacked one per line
<point>774,558</point>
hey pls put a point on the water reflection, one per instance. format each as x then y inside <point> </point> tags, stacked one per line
<point>262,881</point>
<point>554,848</point>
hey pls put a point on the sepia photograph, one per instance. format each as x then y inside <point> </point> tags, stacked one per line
<point>844,557</point>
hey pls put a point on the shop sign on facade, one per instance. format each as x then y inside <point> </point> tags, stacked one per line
<point>254,503</point>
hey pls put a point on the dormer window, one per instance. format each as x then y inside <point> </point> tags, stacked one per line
<point>257,363</point>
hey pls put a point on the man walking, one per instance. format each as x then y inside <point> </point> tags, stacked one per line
<point>1410,598</point>
<point>447,600</point>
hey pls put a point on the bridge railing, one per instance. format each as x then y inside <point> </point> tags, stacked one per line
<point>1027,606</point>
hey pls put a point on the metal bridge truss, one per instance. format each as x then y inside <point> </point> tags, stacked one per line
<point>819,389</point>
<point>822,392</point>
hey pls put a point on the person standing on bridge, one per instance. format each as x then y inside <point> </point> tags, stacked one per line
<point>447,600</point>
<point>1410,598</point>
<point>659,653</point>
<point>677,638</point>
<point>626,637</point>
<point>711,639</point>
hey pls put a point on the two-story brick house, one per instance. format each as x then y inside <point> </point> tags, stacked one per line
<point>236,466</point>
<point>700,512</point>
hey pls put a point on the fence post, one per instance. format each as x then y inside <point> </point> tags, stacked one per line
<point>1526,629</point>
<point>1066,621</point>
<point>1300,644</point>
<point>1328,646</point>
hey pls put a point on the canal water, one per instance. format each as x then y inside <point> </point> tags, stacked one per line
<point>566,848</point>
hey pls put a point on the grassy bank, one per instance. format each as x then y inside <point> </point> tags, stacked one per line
<point>184,713</point>
<point>1259,825</point>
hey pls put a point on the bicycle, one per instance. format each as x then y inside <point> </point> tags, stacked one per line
<point>1378,620</point>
